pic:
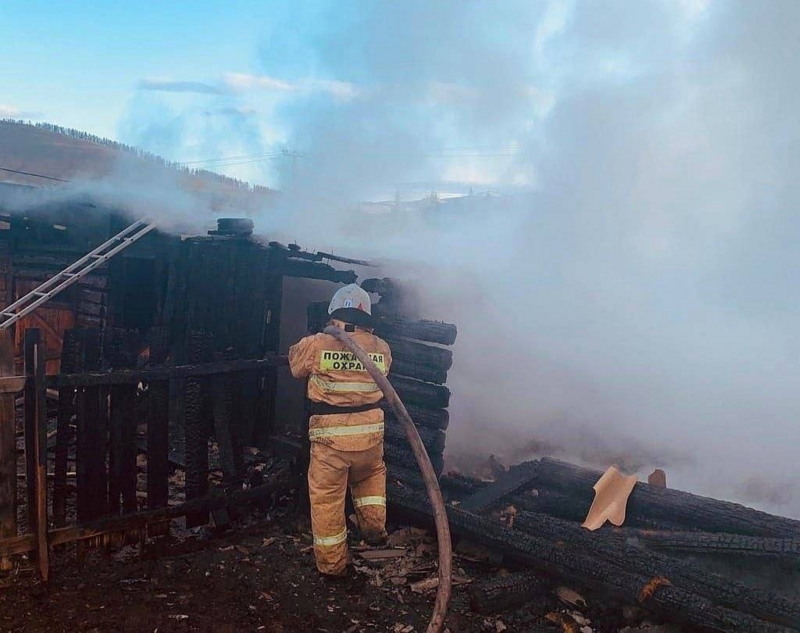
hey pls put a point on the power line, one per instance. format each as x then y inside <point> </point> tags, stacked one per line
<point>227,158</point>
<point>27,173</point>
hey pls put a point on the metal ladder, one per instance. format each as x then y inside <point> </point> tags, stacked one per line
<point>74,272</point>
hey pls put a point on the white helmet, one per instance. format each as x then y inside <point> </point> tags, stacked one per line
<point>351,297</point>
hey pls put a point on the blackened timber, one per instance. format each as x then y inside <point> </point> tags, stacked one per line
<point>66,408</point>
<point>717,543</point>
<point>502,593</point>
<point>293,267</point>
<point>431,418</point>
<point>158,425</point>
<point>30,342</point>
<point>575,508</point>
<point>550,558</point>
<point>515,479</point>
<point>8,452</point>
<point>196,429</point>
<point>421,354</point>
<point>229,448</point>
<point>264,493</point>
<point>411,369</point>
<point>420,393</point>
<point>400,454</point>
<point>433,439</point>
<point>121,349</point>
<point>40,454</point>
<point>122,457</point>
<point>648,503</point>
<point>428,331</point>
<point>604,546</point>
<point>135,376</point>
<point>343,260</point>
<point>92,427</point>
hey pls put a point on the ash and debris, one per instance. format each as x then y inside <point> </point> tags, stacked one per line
<point>260,576</point>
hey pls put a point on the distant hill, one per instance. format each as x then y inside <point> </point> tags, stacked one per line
<point>64,153</point>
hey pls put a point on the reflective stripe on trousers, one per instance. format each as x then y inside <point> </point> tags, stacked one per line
<point>369,501</point>
<point>324,541</point>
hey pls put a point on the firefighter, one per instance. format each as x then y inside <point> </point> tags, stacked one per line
<point>345,430</point>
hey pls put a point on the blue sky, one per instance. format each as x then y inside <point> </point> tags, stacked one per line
<point>85,65</point>
<point>79,63</point>
<point>201,80</point>
<point>207,79</point>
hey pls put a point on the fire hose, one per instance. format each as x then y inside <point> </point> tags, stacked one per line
<point>428,476</point>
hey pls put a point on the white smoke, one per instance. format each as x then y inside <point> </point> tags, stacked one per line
<point>639,301</point>
<point>633,298</point>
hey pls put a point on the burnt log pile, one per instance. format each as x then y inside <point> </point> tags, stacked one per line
<point>545,546</point>
<point>420,363</point>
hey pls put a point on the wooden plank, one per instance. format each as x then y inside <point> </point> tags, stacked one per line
<point>120,351</point>
<point>40,453</point>
<point>196,431</point>
<point>648,504</point>
<point>515,479</point>
<point>122,450</point>
<point>179,372</point>
<point>278,483</point>
<point>92,423</point>
<point>8,452</point>
<point>66,408</point>
<point>226,433</point>
<point>158,426</point>
<point>31,341</point>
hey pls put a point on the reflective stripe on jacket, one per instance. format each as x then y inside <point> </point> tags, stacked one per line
<point>337,378</point>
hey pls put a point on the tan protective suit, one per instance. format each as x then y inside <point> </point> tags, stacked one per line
<point>344,446</point>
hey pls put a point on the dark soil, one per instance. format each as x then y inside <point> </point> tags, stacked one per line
<point>257,577</point>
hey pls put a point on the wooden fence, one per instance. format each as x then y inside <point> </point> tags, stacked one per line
<point>101,389</point>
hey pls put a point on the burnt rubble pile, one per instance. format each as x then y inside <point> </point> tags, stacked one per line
<point>739,577</point>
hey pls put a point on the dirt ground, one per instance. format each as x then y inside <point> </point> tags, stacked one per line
<point>256,577</point>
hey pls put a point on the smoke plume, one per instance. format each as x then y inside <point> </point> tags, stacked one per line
<point>633,300</point>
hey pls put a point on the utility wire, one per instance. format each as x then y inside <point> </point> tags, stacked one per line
<point>27,173</point>
<point>227,158</point>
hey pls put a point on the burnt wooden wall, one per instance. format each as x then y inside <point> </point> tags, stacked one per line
<point>227,295</point>
<point>36,246</point>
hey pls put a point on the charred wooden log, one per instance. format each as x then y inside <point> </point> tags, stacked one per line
<point>431,418</point>
<point>604,546</point>
<point>515,479</point>
<point>158,425</point>
<point>120,351</point>
<point>429,331</point>
<point>294,267</point>
<point>648,503</point>
<point>70,361</point>
<point>400,454</point>
<point>433,439</point>
<point>716,543</point>
<point>420,372</point>
<point>420,393</point>
<point>196,430</point>
<point>672,601</point>
<point>92,434</point>
<point>452,486</point>
<point>503,593</point>
<point>421,354</point>
<point>576,507</point>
